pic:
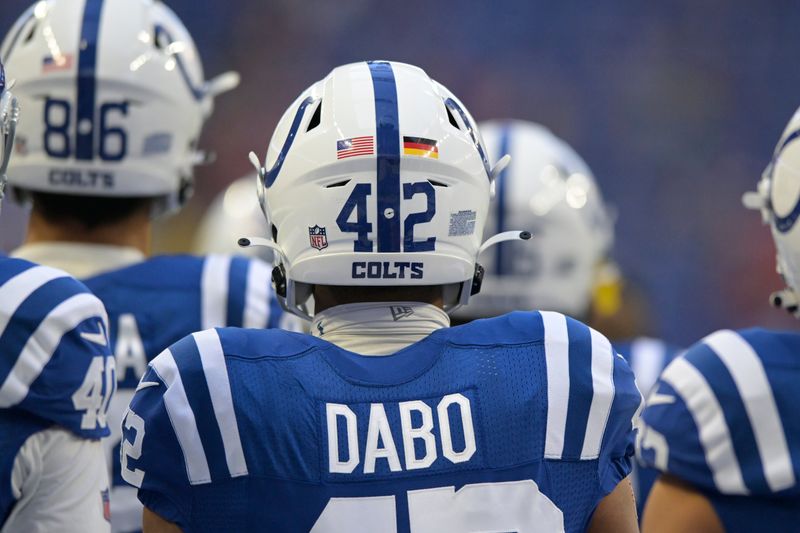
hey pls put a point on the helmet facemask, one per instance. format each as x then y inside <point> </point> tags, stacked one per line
<point>777,197</point>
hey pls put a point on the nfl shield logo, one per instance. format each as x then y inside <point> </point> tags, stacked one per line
<point>318,237</point>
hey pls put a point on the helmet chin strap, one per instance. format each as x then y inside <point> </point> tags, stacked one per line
<point>249,242</point>
<point>286,290</point>
<point>473,286</point>
<point>512,235</point>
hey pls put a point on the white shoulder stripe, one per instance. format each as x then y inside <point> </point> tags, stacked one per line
<point>219,387</point>
<point>602,395</point>
<point>182,419</point>
<point>751,381</point>
<point>44,341</point>
<point>214,291</point>
<point>17,289</point>
<point>256,303</point>
<point>41,345</point>
<point>710,421</point>
<point>647,361</point>
<point>556,350</point>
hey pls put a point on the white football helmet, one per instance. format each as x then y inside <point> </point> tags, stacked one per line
<point>9,115</point>
<point>376,176</point>
<point>778,199</point>
<point>233,213</point>
<point>117,96</point>
<point>549,190</point>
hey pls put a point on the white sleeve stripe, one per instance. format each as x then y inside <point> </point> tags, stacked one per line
<point>16,290</point>
<point>711,426</point>
<point>256,306</point>
<point>182,419</point>
<point>753,386</point>
<point>41,345</point>
<point>219,387</point>
<point>214,291</point>
<point>647,361</point>
<point>556,350</point>
<point>602,395</point>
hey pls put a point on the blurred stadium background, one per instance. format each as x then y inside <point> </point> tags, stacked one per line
<point>675,105</point>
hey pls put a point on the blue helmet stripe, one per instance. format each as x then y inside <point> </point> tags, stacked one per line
<point>453,106</point>
<point>197,92</point>
<point>87,80</point>
<point>387,137</point>
<point>272,174</point>
<point>505,135</point>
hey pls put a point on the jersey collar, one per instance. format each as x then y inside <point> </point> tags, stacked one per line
<point>81,260</point>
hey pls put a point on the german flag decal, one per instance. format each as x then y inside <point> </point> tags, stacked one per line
<point>421,147</point>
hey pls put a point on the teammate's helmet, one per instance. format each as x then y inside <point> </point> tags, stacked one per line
<point>376,175</point>
<point>117,96</point>
<point>778,198</point>
<point>549,190</point>
<point>233,213</point>
<point>9,114</point>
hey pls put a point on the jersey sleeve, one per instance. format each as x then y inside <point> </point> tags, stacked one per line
<point>618,448</point>
<point>56,361</point>
<point>237,292</point>
<point>712,421</point>
<point>592,400</point>
<point>180,431</point>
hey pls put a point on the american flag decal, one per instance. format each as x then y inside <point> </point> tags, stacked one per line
<point>57,63</point>
<point>354,147</point>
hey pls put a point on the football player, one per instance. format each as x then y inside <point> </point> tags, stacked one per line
<point>376,188</point>
<point>116,97</point>
<point>56,379</point>
<point>722,424</point>
<point>549,189</point>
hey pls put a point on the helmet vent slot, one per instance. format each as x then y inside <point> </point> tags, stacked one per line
<point>451,118</point>
<point>31,33</point>
<point>337,184</point>
<point>316,118</point>
<point>438,183</point>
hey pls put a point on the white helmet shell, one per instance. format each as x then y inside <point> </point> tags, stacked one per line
<point>549,190</point>
<point>116,95</point>
<point>376,176</point>
<point>778,199</point>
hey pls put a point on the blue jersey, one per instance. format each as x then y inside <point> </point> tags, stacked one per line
<point>517,423</point>
<point>724,419</point>
<point>647,357</point>
<point>56,366</point>
<point>155,303</point>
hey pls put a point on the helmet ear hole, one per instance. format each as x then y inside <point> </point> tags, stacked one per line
<point>451,118</point>
<point>316,118</point>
